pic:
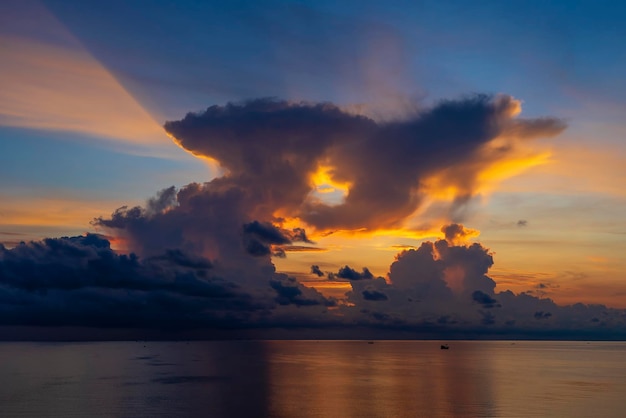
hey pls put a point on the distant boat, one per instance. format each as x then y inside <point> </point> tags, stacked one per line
<point>370,342</point>
<point>445,347</point>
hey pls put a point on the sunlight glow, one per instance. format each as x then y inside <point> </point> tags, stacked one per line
<point>326,188</point>
<point>213,164</point>
<point>502,170</point>
<point>53,212</point>
<point>51,82</point>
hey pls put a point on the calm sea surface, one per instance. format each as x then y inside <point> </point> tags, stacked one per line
<point>313,379</point>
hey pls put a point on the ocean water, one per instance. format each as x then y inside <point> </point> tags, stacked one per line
<point>313,379</point>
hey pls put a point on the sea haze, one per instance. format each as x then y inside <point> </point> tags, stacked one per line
<point>313,379</point>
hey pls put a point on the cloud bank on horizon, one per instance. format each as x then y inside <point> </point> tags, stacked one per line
<point>201,256</point>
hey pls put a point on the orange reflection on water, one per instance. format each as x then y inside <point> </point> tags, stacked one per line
<point>386,378</point>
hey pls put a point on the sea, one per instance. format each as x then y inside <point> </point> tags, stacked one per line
<point>313,379</point>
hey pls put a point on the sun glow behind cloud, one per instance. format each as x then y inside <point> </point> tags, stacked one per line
<point>324,183</point>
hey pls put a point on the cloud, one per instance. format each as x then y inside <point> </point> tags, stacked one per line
<point>291,292</point>
<point>373,295</point>
<point>82,281</point>
<point>457,233</point>
<point>542,315</point>
<point>485,300</point>
<point>390,167</point>
<point>266,232</point>
<point>348,273</point>
<point>443,288</point>
<point>201,255</point>
<point>261,237</point>
<point>301,248</point>
<point>317,271</point>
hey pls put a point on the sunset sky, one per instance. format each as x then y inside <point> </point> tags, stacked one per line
<point>454,166</point>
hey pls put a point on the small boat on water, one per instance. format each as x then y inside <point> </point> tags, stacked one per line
<point>445,347</point>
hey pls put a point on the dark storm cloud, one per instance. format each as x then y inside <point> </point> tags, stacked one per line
<point>348,273</point>
<point>201,255</point>
<point>259,237</point>
<point>484,299</point>
<point>291,292</point>
<point>212,219</point>
<point>81,281</point>
<point>373,295</point>
<point>316,270</point>
<point>270,148</point>
<point>542,315</point>
<point>185,260</point>
<point>257,248</point>
<point>266,232</point>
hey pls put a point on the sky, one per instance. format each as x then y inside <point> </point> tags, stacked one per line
<point>313,169</point>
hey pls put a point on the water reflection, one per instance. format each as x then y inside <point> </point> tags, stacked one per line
<point>173,379</point>
<point>354,379</point>
<point>312,379</point>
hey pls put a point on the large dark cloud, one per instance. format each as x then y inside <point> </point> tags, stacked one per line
<point>211,220</point>
<point>200,256</point>
<point>270,148</point>
<point>81,281</point>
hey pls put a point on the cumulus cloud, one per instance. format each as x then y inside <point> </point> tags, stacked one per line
<point>373,295</point>
<point>315,269</point>
<point>201,255</point>
<point>81,281</point>
<point>291,292</point>
<point>484,299</point>
<point>348,273</point>
<point>387,164</point>
<point>442,287</point>
<point>457,233</point>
